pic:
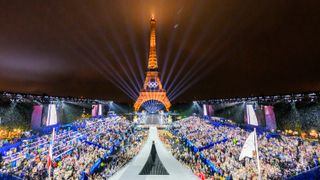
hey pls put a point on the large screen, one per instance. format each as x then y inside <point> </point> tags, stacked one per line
<point>50,115</point>
<point>251,116</point>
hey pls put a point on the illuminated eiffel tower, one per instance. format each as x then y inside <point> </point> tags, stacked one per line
<point>152,88</point>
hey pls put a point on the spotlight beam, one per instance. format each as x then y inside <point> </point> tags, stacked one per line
<point>185,62</point>
<point>102,57</point>
<point>168,52</point>
<point>177,56</point>
<point>101,60</point>
<point>191,73</point>
<point>128,68</point>
<point>120,86</point>
<point>102,70</point>
<point>124,69</point>
<point>194,48</point>
<point>187,76</point>
<point>136,55</point>
<point>218,49</point>
<point>228,35</point>
<point>118,60</point>
<point>169,49</point>
<point>119,43</point>
<point>95,50</point>
<point>204,72</point>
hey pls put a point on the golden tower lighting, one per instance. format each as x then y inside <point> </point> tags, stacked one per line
<point>152,87</point>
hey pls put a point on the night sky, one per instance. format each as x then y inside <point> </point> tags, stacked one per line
<point>206,49</point>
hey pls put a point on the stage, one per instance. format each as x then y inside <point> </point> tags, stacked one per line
<point>175,169</point>
<point>153,119</point>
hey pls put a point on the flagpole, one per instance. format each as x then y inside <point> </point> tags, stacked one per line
<point>257,153</point>
<point>49,159</point>
<point>52,159</point>
<point>50,151</point>
<point>49,173</point>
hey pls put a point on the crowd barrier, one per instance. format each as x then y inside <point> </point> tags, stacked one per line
<point>203,159</point>
<point>75,128</point>
<point>259,129</point>
<point>309,175</point>
<point>273,135</point>
<point>9,177</point>
<point>210,164</point>
<point>95,166</point>
<point>48,129</point>
<point>43,130</point>
<point>212,144</point>
<point>92,143</point>
<point>10,146</point>
<point>248,127</point>
<point>57,158</point>
<point>217,124</point>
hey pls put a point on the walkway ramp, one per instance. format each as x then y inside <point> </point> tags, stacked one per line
<point>173,167</point>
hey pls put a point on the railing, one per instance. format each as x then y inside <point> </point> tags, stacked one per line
<point>313,173</point>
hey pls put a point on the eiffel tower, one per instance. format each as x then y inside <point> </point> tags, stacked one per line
<point>152,87</point>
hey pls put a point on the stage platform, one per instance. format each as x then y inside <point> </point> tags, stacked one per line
<point>175,169</point>
<point>153,119</point>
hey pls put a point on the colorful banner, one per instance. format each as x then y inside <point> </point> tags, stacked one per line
<point>36,117</point>
<point>270,118</point>
<point>210,110</point>
<point>94,111</point>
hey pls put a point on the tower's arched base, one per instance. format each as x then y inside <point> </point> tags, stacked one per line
<point>157,96</point>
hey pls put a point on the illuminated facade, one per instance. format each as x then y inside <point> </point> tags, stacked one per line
<point>152,88</point>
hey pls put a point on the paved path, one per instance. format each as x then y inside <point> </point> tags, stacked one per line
<point>175,169</point>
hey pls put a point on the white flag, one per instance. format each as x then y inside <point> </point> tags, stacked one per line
<point>248,147</point>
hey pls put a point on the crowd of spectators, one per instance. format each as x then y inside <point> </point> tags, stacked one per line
<point>280,157</point>
<point>106,132</point>
<point>130,149</point>
<point>81,160</point>
<point>186,156</point>
<point>31,158</point>
<point>114,140</point>
<point>199,133</point>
